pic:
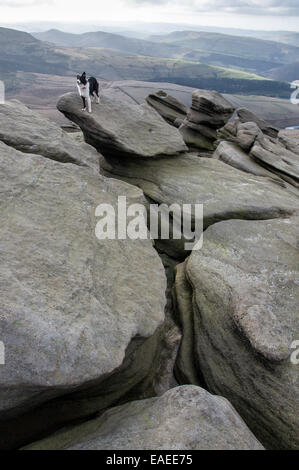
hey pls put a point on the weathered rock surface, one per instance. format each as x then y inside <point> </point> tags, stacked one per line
<point>290,140</point>
<point>124,129</point>
<point>167,106</point>
<point>243,134</point>
<point>209,111</point>
<point>248,116</point>
<point>29,132</point>
<point>186,367</point>
<point>198,136</point>
<point>91,324</point>
<point>210,108</point>
<point>226,192</point>
<point>245,318</point>
<point>277,158</point>
<point>233,155</point>
<point>72,307</point>
<point>277,155</point>
<point>184,418</point>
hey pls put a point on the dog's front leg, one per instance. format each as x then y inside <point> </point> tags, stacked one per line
<point>89,104</point>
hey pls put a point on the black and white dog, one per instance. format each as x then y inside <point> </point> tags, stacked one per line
<point>88,88</point>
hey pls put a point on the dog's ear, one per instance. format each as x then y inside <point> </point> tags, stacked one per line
<point>83,78</point>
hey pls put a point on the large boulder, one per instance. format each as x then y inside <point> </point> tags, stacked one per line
<point>244,288</point>
<point>210,108</point>
<point>225,192</point>
<point>279,156</point>
<point>167,106</point>
<point>29,132</point>
<point>290,140</point>
<point>77,313</point>
<point>274,156</point>
<point>209,111</point>
<point>248,116</point>
<point>123,129</point>
<point>184,418</point>
<point>232,154</point>
<point>198,136</point>
<point>243,134</point>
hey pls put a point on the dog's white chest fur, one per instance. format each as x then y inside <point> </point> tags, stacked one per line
<point>84,90</point>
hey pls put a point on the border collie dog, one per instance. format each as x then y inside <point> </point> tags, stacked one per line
<point>88,88</point>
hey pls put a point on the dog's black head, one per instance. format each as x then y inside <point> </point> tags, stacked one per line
<point>82,78</point>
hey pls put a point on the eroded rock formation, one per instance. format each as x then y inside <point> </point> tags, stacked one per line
<point>90,326</point>
<point>185,418</point>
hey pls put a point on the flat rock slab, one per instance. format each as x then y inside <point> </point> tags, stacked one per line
<point>29,132</point>
<point>70,303</point>
<point>124,129</point>
<point>244,284</point>
<point>184,418</point>
<point>225,191</point>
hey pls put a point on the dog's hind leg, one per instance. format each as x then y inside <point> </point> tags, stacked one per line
<point>97,97</point>
<point>96,91</point>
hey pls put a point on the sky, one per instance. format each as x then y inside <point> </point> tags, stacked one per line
<point>241,14</point>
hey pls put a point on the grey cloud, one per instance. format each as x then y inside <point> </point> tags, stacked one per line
<point>249,7</point>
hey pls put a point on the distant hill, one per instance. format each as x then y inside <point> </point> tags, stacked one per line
<point>248,53</point>
<point>285,37</point>
<point>286,73</point>
<point>116,42</point>
<point>21,52</point>
<point>145,30</point>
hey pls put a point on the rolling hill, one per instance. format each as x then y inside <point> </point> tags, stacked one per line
<point>112,41</point>
<point>286,73</point>
<point>22,52</point>
<point>285,37</point>
<point>247,53</point>
<point>237,52</point>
